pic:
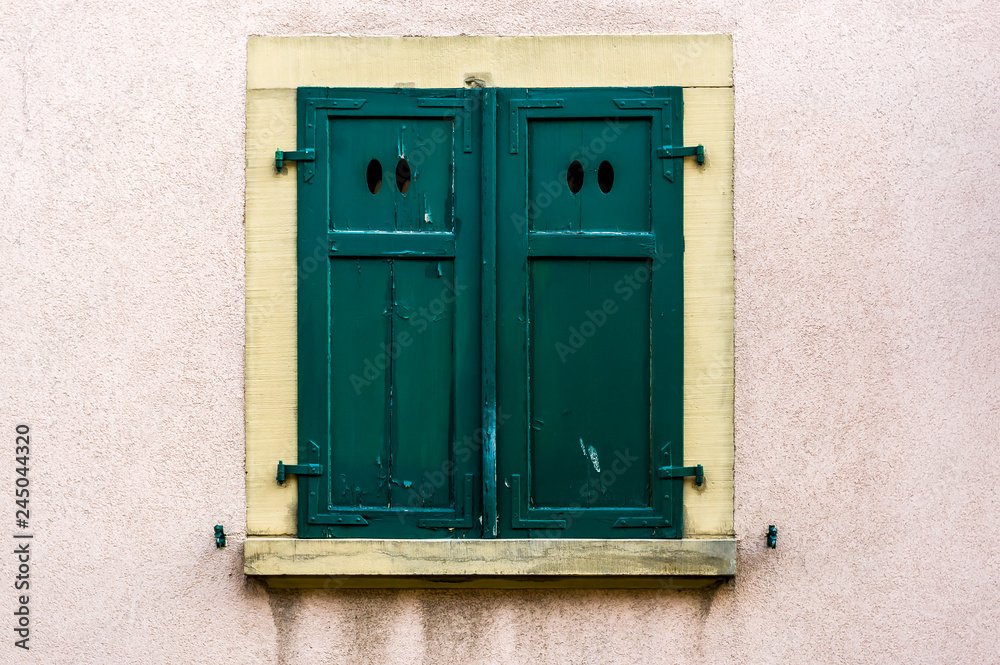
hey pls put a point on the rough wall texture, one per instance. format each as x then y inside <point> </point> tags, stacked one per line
<point>867,275</point>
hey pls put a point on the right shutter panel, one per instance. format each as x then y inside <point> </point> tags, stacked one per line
<point>590,312</point>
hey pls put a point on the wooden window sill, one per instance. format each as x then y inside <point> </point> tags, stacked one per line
<point>453,563</point>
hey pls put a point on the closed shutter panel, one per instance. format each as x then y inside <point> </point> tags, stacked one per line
<point>590,312</point>
<point>388,313</point>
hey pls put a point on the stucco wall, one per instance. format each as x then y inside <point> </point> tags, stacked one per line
<point>867,274</point>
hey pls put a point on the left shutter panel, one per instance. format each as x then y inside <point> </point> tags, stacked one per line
<point>388,313</point>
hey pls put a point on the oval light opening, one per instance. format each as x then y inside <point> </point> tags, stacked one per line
<point>574,176</point>
<point>403,176</point>
<point>374,176</point>
<point>605,176</point>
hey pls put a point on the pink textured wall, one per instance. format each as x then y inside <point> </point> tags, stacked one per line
<point>868,333</point>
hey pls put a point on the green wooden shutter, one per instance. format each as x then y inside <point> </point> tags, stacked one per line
<point>554,217</point>
<point>590,312</point>
<point>388,313</point>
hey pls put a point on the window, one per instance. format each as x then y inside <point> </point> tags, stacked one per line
<point>471,257</point>
<point>701,66</point>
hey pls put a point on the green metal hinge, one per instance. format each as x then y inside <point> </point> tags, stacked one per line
<point>696,151</point>
<point>298,470</point>
<point>698,472</point>
<point>649,521</point>
<point>281,156</point>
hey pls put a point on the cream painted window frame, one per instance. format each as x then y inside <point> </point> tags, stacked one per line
<point>276,67</point>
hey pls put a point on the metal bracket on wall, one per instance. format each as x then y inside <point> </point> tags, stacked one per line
<point>314,469</point>
<point>669,152</point>
<point>220,536</point>
<point>698,472</point>
<point>772,537</point>
<point>281,156</point>
<point>297,470</point>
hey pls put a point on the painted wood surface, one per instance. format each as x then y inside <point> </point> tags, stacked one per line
<point>593,343</point>
<point>388,314</point>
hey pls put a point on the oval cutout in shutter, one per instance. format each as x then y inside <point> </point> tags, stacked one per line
<point>403,176</point>
<point>605,176</point>
<point>374,176</point>
<point>574,176</point>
